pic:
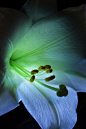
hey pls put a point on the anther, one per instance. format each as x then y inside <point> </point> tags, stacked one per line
<point>34,72</point>
<point>50,78</point>
<point>49,71</point>
<point>47,67</point>
<point>41,68</point>
<point>32,78</point>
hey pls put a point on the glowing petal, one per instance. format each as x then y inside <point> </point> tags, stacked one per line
<point>13,26</point>
<point>50,111</point>
<point>58,40</point>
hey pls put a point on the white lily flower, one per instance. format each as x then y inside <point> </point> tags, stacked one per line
<point>38,53</point>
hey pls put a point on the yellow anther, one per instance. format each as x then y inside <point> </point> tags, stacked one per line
<point>34,72</point>
<point>44,67</point>
<point>49,71</point>
<point>32,78</point>
<point>41,68</point>
<point>50,78</point>
<point>47,67</point>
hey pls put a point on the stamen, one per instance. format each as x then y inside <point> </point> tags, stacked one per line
<point>32,78</point>
<point>50,78</point>
<point>49,71</point>
<point>34,72</point>
<point>44,67</point>
<point>61,91</point>
<point>41,68</point>
<point>47,67</point>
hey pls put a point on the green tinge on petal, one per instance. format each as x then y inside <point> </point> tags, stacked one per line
<point>13,26</point>
<point>19,69</point>
<point>25,73</point>
<point>54,40</point>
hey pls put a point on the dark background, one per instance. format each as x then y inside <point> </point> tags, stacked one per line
<point>19,118</point>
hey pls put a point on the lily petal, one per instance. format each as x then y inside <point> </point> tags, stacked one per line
<point>58,40</point>
<point>12,22</point>
<point>7,101</point>
<point>49,110</point>
<point>78,76</point>
<point>8,95</point>
<point>13,26</point>
<point>37,9</point>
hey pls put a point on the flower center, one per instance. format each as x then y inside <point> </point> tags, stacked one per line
<point>30,76</point>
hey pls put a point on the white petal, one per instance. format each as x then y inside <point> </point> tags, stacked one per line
<point>8,96</point>
<point>58,40</point>
<point>77,76</point>
<point>37,9</point>
<point>7,102</point>
<point>13,26</point>
<point>49,110</point>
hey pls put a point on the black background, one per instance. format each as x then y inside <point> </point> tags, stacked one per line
<point>19,118</point>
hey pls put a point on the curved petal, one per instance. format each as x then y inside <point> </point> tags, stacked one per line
<point>77,76</point>
<point>58,40</point>
<point>7,101</point>
<point>49,110</point>
<point>8,95</point>
<point>13,26</point>
<point>37,9</point>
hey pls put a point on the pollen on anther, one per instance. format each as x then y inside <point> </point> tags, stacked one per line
<point>49,71</point>
<point>32,78</point>
<point>47,66</point>
<point>41,68</point>
<point>34,72</point>
<point>50,78</point>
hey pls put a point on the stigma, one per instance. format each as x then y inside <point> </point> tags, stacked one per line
<point>62,91</point>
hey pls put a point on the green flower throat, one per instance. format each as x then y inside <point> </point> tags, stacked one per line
<point>30,76</point>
